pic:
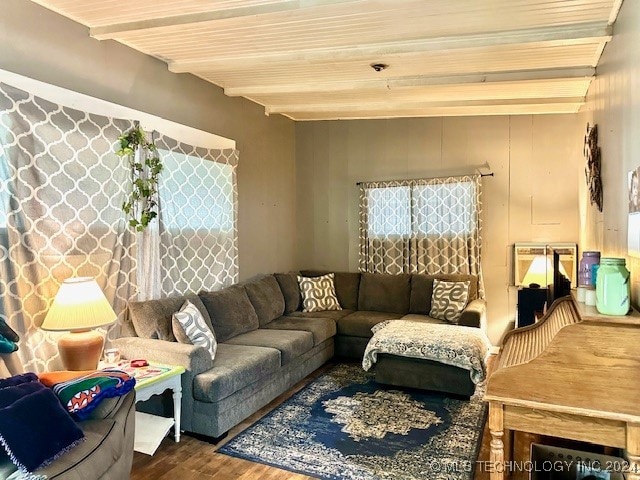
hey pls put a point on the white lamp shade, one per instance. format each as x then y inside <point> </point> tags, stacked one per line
<point>79,305</point>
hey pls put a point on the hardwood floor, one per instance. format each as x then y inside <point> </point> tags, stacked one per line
<point>196,459</point>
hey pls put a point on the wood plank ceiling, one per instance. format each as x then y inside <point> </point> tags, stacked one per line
<point>312,59</point>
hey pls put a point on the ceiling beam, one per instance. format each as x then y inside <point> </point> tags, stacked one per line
<point>414,81</point>
<point>443,112</point>
<point>393,106</point>
<point>615,10</point>
<point>114,30</point>
<point>540,37</point>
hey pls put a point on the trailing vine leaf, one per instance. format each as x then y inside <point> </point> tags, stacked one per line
<point>142,203</point>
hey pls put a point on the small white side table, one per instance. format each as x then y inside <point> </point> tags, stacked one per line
<point>155,384</point>
<point>155,379</point>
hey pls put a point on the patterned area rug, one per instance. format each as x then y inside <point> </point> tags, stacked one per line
<point>343,425</point>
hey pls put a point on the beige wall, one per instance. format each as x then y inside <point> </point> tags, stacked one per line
<point>613,102</point>
<point>533,196</point>
<point>43,45</point>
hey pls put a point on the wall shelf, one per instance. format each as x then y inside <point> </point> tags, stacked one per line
<point>589,313</point>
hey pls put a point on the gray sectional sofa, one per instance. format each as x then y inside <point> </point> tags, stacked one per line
<point>266,343</point>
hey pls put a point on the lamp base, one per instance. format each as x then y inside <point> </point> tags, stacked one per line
<point>81,350</point>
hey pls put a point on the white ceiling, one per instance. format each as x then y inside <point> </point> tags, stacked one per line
<point>311,59</point>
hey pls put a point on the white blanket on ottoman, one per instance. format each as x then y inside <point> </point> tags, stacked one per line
<point>463,347</point>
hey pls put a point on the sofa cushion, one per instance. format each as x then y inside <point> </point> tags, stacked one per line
<point>266,297</point>
<point>384,293</point>
<point>152,318</point>
<point>290,343</point>
<point>321,328</point>
<point>347,285</point>
<point>230,311</point>
<point>290,290</point>
<point>359,324</point>
<point>332,314</point>
<point>422,289</point>
<point>235,367</point>
<point>448,300</point>
<point>318,293</point>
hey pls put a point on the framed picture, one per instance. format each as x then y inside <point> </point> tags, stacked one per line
<point>633,224</point>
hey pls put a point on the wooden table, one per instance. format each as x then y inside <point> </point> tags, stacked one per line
<point>579,381</point>
<point>155,379</point>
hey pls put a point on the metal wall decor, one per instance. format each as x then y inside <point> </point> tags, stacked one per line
<point>592,171</point>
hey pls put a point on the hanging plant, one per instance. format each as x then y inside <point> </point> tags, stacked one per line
<point>145,164</point>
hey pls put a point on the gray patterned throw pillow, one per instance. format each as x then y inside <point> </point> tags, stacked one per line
<point>188,326</point>
<point>448,300</point>
<point>318,293</point>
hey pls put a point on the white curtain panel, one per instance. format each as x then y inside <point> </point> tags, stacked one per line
<point>427,226</point>
<point>61,194</point>
<point>198,234</point>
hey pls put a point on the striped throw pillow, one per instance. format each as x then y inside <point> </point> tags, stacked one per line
<point>189,327</point>
<point>318,293</point>
<point>448,300</point>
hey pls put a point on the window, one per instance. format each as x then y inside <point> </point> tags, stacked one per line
<point>198,235</point>
<point>444,209</point>
<point>199,193</point>
<point>421,226</point>
<point>419,210</point>
<point>389,211</point>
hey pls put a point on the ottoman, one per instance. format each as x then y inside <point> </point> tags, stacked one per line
<point>440,357</point>
<point>423,374</point>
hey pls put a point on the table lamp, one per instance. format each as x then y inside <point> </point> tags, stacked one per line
<point>541,272</point>
<point>79,307</point>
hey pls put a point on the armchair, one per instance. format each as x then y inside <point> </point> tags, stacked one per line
<point>107,451</point>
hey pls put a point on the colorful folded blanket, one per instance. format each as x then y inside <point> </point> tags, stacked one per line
<point>81,392</point>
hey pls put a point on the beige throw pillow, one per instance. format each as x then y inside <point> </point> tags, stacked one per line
<point>449,300</point>
<point>318,293</point>
<point>189,327</point>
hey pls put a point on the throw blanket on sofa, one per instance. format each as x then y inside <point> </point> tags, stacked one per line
<point>464,347</point>
<point>83,394</point>
<point>34,428</point>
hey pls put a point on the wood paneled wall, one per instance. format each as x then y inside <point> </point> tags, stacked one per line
<point>532,197</point>
<point>613,103</point>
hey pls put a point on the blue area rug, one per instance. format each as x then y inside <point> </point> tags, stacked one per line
<point>343,425</point>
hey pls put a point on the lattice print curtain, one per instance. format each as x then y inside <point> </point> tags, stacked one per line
<point>61,191</point>
<point>198,243</point>
<point>427,226</point>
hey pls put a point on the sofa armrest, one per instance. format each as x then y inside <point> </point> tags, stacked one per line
<point>475,315</point>
<point>193,358</point>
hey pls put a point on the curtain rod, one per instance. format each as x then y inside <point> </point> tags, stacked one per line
<point>482,175</point>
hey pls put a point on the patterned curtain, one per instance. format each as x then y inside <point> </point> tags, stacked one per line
<point>61,194</point>
<point>61,191</point>
<point>422,226</point>
<point>198,245</point>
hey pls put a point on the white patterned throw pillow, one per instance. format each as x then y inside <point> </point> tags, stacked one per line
<point>318,293</point>
<point>189,326</point>
<point>449,300</point>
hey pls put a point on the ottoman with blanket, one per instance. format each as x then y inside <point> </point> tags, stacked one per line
<point>441,357</point>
